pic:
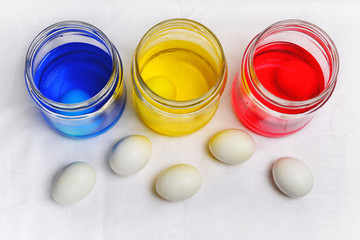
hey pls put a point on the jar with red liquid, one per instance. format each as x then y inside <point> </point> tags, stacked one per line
<point>288,72</point>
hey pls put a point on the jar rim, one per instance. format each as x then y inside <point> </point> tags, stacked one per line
<point>280,102</point>
<point>46,35</point>
<point>212,92</point>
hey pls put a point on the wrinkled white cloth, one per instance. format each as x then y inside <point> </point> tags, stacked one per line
<point>234,202</point>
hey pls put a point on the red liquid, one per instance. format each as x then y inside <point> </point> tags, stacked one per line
<point>288,71</point>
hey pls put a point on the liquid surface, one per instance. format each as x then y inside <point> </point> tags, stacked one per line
<point>177,70</point>
<point>288,71</point>
<point>179,74</point>
<point>73,72</point>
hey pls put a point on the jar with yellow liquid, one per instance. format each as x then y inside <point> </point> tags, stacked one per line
<point>178,72</point>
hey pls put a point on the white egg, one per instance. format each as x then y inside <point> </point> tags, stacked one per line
<point>130,155</point>
<point>292,177</point>
<point>232,146</point>
<point>73,183</point>
<point>178,182</point>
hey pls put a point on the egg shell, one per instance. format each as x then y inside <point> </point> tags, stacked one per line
<point>74,96</point>
<point>130,155</point>
<point>73,183</point>
<point>232,146</point>
<point>293,177</point>
<point>178,182</point>
<point>162,86</point>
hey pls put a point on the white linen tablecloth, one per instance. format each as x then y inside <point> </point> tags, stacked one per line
<point>234,202</point>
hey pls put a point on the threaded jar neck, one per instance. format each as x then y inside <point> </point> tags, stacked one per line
<point>57,35</point>
<point>311,38</point>
<point>186,30</point>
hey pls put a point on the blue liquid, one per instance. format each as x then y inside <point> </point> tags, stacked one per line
<point>73,72</point>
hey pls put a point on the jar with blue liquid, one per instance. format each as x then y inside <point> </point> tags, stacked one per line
<point>74,74</point>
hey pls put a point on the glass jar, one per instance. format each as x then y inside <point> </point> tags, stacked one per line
<point>178,72</point>
<point>75,76</point>
<point>265,113</point>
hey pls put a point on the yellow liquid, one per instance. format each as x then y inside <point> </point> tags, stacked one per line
<point>180,71</point>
